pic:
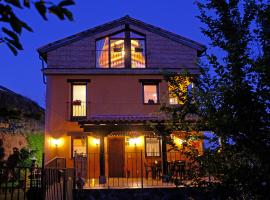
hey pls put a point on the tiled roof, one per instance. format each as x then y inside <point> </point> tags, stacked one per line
<point>123,119</point>
<point>133,133</point>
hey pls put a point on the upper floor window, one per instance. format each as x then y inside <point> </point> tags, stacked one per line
<point>125,49</point>
<point>150,92</point>
<point>78,100</point>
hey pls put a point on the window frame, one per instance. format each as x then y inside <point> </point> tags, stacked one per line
<point>129,38</point>
<point>72,142</point>
<point>78,82</point>
<point>159,147</point>
<point>155,82</point>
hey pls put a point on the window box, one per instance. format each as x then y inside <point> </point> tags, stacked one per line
<point>77,103</point>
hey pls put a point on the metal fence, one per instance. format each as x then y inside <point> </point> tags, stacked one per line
<point>22,183</point>
<point>17,183</point>
<point>136,170</point>
<point>58,184</point>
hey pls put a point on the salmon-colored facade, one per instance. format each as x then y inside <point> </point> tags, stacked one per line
<point>101,112</point>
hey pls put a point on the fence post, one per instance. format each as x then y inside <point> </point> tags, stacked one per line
<point>43,186</point>
<point>74,171</point>
<point>65,184</point>
<point>142,168</point>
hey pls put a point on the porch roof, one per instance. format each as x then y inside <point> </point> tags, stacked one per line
<point>133,133</point>
<point>121,119</point>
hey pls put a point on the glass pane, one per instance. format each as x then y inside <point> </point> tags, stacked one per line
<point>152,147</point>
<point>79,101</point>
<point>150,94</point>
<point>117,54</point>
<point>135,35</point>
<point>102,53</point>
<point>138,53</point>
<point>118,35</point>
<point>79,146</point>
<point>173,100</point>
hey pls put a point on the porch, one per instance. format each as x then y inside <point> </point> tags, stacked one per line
<point>125,152</point>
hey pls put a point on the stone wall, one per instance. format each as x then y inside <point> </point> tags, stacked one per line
<point>145,194</point>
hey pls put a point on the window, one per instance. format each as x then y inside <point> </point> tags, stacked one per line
<point>79,146</point>
<point>185,88</point>
<point>117,53</point>
<point>123,49</point>
<point>152,147</point>
<point>78,100</point>
<point>150,94</point>
<point>137,53</point>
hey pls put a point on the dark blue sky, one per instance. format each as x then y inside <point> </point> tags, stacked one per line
<point>22,73</point>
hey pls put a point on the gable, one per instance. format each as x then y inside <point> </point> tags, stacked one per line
<point>119,24</point>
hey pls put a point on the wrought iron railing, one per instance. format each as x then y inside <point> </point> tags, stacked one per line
<point>56,163</point>
<point>77,110</point>
<point>21,183</point>
<point>135,170</point>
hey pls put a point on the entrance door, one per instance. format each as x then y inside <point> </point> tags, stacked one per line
<point>116,157</point>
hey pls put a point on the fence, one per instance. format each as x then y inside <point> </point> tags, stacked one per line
<point>137,170</point>
<point>56,163</point>
<point>22,183</point>
<point>16,183</point>
<point>58,184</point>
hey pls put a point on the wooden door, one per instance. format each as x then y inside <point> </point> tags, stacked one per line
<point>116,157</point>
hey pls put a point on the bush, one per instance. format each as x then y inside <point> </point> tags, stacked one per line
<point>36,144</point>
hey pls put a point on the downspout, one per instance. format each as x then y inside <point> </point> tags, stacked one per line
<point>42,69</point>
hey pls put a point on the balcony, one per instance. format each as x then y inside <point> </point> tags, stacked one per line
<point>77,110</point>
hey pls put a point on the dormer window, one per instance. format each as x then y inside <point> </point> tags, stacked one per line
<point>124,49</point>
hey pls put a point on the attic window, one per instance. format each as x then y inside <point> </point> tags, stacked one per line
<point>124,49</point>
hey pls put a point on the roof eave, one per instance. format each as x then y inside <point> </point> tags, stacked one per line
<point>107,26</point>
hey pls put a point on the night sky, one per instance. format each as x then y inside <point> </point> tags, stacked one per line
<point>22,73</point>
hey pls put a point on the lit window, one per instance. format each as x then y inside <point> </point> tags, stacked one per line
<point>79,146</point>
<point>117,53</point>
<point>137,53</point>
<point>111,52</point>
<point>78,100</point>
<point>150,94</point>
<point>173,100</point>
<point>152,147</point>
<point>102,53</point>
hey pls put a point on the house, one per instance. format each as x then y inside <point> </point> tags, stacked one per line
<point>103,87</point>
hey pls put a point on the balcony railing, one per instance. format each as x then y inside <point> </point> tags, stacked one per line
<point>77,110</point>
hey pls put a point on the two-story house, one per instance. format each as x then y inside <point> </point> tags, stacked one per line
<point>103,86</point>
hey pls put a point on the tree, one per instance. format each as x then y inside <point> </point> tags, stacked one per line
<point>234,101</point>
<point>12,26</point>
<point>231,97</point>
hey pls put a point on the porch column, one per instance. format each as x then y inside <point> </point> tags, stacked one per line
<point>164,155</point>
<point>102,156</point>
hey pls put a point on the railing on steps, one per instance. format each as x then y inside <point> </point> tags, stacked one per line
<point>56,163</point>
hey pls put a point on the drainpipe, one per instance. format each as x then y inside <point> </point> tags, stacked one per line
<point>42,69</point>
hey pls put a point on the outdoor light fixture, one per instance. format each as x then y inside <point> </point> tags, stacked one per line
<point>57,142</point>
<point>180,141</point>
<point>96,141</point>
<point>134,141</point>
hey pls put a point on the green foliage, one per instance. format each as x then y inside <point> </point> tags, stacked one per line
<point>233,100</point>
<point>36,144</point>
<point>8,9</point>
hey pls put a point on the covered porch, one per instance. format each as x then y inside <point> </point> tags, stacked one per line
<point>126,152</point>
